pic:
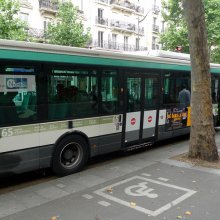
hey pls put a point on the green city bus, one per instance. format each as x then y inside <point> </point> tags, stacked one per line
<point>60,106</point>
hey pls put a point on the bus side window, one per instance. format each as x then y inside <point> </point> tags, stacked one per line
<point>69,96</point>
<point>166,91</point>
<point>171,89</point>
<point>151,93</point>
<point>15,102</point>
<point>109,92</point>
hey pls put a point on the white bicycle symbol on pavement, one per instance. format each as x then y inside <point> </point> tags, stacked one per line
<point>141,189</point>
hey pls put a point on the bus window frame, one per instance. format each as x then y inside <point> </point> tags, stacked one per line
<point>37,70</point>
<point>174,75</point>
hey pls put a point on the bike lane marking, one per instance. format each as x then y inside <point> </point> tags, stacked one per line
<point>141,189</point>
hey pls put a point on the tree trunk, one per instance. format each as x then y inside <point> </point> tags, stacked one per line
<point>202,134</point>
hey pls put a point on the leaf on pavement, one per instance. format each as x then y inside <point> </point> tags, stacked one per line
<point>133,204</point>
<point>188,213</point>
<point>109,189</point>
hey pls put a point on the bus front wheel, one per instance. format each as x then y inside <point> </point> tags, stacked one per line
<point>70,155</point>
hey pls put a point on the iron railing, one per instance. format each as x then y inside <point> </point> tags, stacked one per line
<point>111,45</point>
<point>156,9</point>
<point>155,28</point>
<point>101,21</point>
<point>48,4</point>
<point>36,33</point>
<point>155,46</point>
<point>103,1</point>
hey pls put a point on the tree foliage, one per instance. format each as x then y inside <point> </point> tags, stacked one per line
<point>67,29</point>
<point>176,33</point>
<point>11,27</point>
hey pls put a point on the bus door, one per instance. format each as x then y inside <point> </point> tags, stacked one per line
<point>141,103</point>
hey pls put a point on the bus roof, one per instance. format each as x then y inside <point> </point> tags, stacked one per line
<point>55,53</point>
<point>163,54</point>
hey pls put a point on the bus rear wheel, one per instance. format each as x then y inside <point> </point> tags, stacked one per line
<point>70,155</point>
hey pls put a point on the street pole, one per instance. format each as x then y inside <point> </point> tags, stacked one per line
<point>138,46</point>
<point>139,21</point>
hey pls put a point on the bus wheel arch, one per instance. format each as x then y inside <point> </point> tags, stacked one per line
<point>70,154</point>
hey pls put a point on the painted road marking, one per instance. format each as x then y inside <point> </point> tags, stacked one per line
<point>60,185</point>
<point>87,196</point>
<point>122,198</point>
<point>104,203</point>
<point>163,179</point>
<point>146,174</point>
<point>141,189</point>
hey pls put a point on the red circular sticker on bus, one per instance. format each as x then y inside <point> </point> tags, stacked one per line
<point>133,121</point>
<point>149,119</point>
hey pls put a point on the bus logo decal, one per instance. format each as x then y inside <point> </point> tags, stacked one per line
<point>16,83</point>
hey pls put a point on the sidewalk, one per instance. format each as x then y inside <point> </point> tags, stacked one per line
<point>145,185</point>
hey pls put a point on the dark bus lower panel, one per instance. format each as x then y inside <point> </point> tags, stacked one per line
<point>162,135</point>
<point>19,161</point>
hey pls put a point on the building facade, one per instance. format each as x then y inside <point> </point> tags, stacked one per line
<point>129,25</point>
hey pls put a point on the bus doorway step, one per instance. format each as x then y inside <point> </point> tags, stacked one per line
<point>138,146</point>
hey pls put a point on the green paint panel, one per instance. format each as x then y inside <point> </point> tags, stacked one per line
<point>64,58</point>
<point>50,57</point>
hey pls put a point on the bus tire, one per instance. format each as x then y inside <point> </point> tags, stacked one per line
<point>70,155</point>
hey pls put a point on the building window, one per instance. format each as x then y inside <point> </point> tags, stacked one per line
<point>100,39</point>
<point>47,21</point>
<point>100,13</point>
<point>155,26</point>
<point>163,26</point>
<point>154,43</point>
<point>100,16</point>
<point>125,43</point>
<point>154,21</point>
<point>24,17</point>
<point>137,44</point>
<point>114,41</point>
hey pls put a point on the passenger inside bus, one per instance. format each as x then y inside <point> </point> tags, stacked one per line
<point>94,96</point>
<point>60,96</point>
<point>71,94</point>
<point>184,97</point>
